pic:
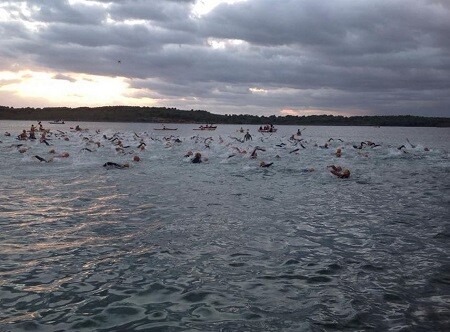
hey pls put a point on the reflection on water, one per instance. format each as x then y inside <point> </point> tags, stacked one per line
<point>225,245</point>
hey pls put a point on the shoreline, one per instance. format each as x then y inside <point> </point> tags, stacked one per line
<point>137,114</point>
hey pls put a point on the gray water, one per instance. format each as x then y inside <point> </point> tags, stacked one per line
<point>167,245</point>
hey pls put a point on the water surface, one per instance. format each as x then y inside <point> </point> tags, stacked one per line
<point>168,245</point>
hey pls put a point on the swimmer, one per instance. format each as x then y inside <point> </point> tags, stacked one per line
<point>340,172</point>
<point>64,155</point>
<point>263,164</point>
<point>338,152</point>
<point>413,146</point>
<point>307,170</point>
<point>247,136</point>
<point>43,138</point>
<point>7,134</point>
<point>136,159</point>
<point>23,135</point>
<point>254,154</point>
<point>111,165</point>
<point>42,159</point>
<point>197,158</point>
<point>360,146</point>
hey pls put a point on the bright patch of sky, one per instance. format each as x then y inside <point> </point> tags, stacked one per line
<point>69,88</point>
<point>203,7</point>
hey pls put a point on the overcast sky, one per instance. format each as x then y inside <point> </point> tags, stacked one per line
<point>349,57</point>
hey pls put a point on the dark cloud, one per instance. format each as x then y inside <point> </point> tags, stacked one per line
<point>380,57</point>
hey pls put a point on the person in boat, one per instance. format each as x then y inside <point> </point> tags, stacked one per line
<point>23,136</point>
<point>340,172</point>
<point>197,158</point>
<point>111,165</point>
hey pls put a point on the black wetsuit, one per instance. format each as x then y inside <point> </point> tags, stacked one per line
<point>110,164</point>
<point>196,160</point>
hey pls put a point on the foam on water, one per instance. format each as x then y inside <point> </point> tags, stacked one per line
<point>225,245</point>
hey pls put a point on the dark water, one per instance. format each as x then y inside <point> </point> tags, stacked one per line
<point>167,245</point>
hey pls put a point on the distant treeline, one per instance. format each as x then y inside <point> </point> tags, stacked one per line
<point>173,115</point>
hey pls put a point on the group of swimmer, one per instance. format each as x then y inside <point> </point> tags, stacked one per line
<point>95,141</point>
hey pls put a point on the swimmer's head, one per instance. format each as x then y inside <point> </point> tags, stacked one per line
<point>52,151</point>
<point>262,164</point>
<point>126,165</point>
<point>346,173</point>
<point>65,154</point>
<point>198,155</point>
<point>136,158</point>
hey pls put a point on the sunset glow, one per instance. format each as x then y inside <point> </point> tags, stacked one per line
<point>70,88</point>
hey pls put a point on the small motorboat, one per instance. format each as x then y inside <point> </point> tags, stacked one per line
<point>267,130</point>
<point>207,127</point>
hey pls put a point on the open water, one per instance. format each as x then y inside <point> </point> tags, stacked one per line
<point>167,245</point>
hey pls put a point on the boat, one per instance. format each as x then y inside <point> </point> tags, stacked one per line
<point>207,127</point>
<point>57,122</point>
<point>164,128</point>
<point>267,129</point>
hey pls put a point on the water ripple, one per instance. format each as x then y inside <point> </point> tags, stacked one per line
<point>224,245</point>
